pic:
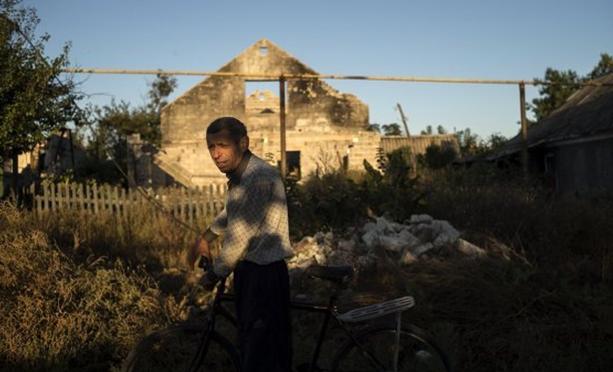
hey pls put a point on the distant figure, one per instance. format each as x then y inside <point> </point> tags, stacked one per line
<point>255,245</point>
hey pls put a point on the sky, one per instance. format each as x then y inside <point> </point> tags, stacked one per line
<point>460,39</point>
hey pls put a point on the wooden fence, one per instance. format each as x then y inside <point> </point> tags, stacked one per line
<point>189,205</point>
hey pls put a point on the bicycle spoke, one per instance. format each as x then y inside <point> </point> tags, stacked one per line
<point>174,350</point>
<point>414,354</point>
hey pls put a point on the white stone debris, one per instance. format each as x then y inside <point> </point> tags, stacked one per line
<point>418,237</point>
<point>420,218</point>
<point>469,248</point>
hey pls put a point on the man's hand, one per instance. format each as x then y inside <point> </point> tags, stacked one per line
<point>210,279</point>
<point>200,248</point>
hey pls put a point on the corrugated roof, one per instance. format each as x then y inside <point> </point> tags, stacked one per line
<point>587,112</point>
<point>418,144</point>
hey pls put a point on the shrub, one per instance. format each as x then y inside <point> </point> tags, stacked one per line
<point>438,156</point>
<point>324,202</point>
<point>394,191</point>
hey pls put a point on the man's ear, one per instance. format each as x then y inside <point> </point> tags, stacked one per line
<point>244,143</point>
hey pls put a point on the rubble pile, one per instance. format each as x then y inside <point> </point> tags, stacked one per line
<point>420,236</point>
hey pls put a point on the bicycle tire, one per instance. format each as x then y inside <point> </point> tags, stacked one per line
<point>417,351</point>
<point>173,348</point>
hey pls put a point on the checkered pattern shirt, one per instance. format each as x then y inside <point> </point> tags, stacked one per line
<point>254,222</point>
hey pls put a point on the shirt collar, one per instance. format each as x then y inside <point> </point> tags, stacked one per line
<point>234,177</point>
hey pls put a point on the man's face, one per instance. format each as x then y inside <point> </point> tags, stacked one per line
<point>225,152</point>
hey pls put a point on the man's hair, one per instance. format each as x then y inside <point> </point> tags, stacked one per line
<point>235,127</point>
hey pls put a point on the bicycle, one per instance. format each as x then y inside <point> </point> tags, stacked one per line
<point>383,348</point>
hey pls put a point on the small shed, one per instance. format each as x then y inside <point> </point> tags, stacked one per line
<point>573,147</point>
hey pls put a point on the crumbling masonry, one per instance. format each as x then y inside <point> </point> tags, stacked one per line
<point>324,127</point>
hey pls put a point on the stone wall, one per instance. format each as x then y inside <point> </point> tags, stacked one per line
<point>323,124</point>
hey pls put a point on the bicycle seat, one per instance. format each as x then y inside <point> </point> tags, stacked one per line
<point>332,273</point>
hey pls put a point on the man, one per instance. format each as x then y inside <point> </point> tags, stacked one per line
<point>256,243</point>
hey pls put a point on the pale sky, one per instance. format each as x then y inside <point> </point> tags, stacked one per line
<point>472,39</point>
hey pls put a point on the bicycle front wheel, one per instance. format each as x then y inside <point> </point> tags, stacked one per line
<point>174,348</point>
<point>376,352</point>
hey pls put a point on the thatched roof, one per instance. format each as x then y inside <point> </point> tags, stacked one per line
<point>586,113</point>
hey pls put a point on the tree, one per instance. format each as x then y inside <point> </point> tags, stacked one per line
<point>33,100</point>
<point>495,142</point>
<point>469,142</point>
<point>604,67</point>
<point>392,129</point>
<point>427,131</point>
<point>438,156</point>
<point>159,90</point>
<point>374,128</point>
<point>441,130</point>
<point>117,120</point>
<point>561,84</point>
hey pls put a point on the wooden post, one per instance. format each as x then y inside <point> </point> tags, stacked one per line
<point>282,119</point>
<point>87,205</point>
<point>117,201</point>
<point>77,197</point>
<point>524,128</point>
<point>45,188</point>
<point>404,119</point>
<point>190,206</point>
<point>34,198</point>
<point>181,198</point>
<point>95,198</point>
<point>53,200</point>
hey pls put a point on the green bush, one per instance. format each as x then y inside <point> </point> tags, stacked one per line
<point>337,199</point>
<point>394,191</point>
<point>324,202</point>
<point>438,156</point>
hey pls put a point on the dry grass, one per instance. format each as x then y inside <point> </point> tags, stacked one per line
<point>541,300</point>
<point>57,314</point>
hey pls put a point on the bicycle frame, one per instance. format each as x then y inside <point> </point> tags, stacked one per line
<point>329,311</point>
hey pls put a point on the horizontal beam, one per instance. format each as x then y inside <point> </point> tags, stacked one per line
<point>276,77</point>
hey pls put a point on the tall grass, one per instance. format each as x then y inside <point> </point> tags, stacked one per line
<point>540,300</point>
<point>60,312</point>
<point>80,290</point>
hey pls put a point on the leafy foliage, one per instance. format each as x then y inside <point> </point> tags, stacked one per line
<point>33,100</point>
<point>438,156</point>
<point>391,129</point>
<point>562,84</point>
<point>113,123</point>
<point>324,202</point>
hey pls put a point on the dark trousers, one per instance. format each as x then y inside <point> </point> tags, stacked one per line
<point>262,309</point>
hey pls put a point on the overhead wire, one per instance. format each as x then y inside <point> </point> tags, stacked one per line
<point>141,190</point>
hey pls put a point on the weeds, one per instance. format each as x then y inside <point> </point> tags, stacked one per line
<point>79,290</point>
<point>57,314</point>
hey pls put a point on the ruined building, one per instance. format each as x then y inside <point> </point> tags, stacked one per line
<point>325,128</point>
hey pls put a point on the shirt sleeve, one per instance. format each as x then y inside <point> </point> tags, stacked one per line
<point>209,235</point>
<point>243,225</point>
<point>218,226</point>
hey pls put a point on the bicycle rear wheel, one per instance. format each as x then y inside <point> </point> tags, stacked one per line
<point>174,348</point>
<point>417,352</point>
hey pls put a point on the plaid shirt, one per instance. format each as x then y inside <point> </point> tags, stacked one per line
<point>254,221</point>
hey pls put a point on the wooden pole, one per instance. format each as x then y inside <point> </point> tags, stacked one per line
<point>282,119</point>
<point>404,119</point>
<point>273,77</point>
<point>524,128</point>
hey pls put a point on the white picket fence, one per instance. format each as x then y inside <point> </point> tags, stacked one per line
<point>189,205</point>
